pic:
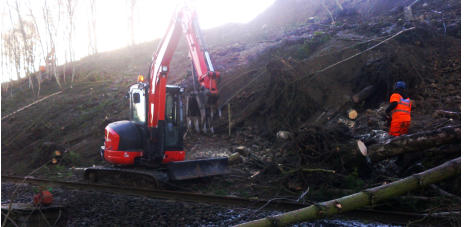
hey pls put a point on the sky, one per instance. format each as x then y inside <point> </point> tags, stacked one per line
<point>112,20</point>
<point>152,17</point>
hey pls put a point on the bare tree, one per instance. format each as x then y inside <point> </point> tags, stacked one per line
<point>323,4</point>
<point>11,51</point>
<point>5,66</point>
<point>92,44</point>
<point>19,45</point>
<point>132,22</point>
<point>337,2</point>
<point>28,51</point>
<point>51,59</point>
<point>70,4</point>
<point>39,75</point>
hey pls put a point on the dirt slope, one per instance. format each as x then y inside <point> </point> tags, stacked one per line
<point>294,68</point>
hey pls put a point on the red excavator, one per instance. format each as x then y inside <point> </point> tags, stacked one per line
<point>153,137</point>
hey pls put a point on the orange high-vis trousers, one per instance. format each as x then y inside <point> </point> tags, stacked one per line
<point>399,128</point>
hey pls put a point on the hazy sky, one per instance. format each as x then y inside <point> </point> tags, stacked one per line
<point>152,17</point>
<point>112,19</point>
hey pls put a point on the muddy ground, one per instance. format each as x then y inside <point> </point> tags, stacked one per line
<point>294,69</point>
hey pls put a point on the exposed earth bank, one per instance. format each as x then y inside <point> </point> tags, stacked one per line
<point>291,76</point>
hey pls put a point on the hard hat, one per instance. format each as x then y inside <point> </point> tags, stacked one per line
<point>400,84</point>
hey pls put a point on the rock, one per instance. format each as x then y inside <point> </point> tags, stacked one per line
<point>285,135</point>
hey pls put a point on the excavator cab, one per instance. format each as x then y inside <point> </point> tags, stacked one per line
<point>173,124</point>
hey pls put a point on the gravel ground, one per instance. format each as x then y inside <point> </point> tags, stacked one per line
<point>86,208</point>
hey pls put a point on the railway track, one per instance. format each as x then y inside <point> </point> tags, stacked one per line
<point>228,201</point>
<point>225,201</point>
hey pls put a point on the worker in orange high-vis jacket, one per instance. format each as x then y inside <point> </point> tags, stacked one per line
<point>399,108</point>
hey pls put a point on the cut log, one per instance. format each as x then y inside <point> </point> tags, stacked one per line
<point>363,94</point>
<point>414,142</point>
<point>366,197</point>
<point>352,114</point>
<point>362,148</point>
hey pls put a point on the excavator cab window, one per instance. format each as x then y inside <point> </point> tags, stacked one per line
<point>137,104</point>
<point>173,119</point>
<point>136,97</point>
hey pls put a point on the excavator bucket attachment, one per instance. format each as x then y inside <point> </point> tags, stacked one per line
<point>192,169</point>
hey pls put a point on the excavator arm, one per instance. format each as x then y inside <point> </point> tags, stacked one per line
<point>183,22</point>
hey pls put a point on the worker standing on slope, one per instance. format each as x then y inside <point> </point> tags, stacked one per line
<point>400,107</point>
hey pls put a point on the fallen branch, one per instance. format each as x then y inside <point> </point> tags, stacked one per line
<point>318,170</point>
<point>444,214</point>
<point>363,198</point>
<point>408,11</point>
<point>285,172</point>
<point>445,113</point>
<point>329,12</point>
<point>444,193</point>
<point>353,56</point>
<point>414,197</point>
<point>13,194</point>
<point>9,219</point>
<point>33,103</point>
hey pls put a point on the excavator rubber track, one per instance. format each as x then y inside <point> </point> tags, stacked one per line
<point>146,178</point>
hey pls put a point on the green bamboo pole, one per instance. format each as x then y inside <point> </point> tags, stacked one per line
<point>366,197</point>
<point>229,119</point>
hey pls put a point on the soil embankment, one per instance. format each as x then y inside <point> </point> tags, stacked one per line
<point>291,77</point>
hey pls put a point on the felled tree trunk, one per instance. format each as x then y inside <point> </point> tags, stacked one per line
<point>363,94</point>
<point>363,198</point>
<point>414,142</point>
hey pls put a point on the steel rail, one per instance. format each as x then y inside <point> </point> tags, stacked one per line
<point>229,201</point>
<point>225,201</point>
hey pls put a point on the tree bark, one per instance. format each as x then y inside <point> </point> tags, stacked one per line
<point>363,198</point>
<point>414,142</point>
